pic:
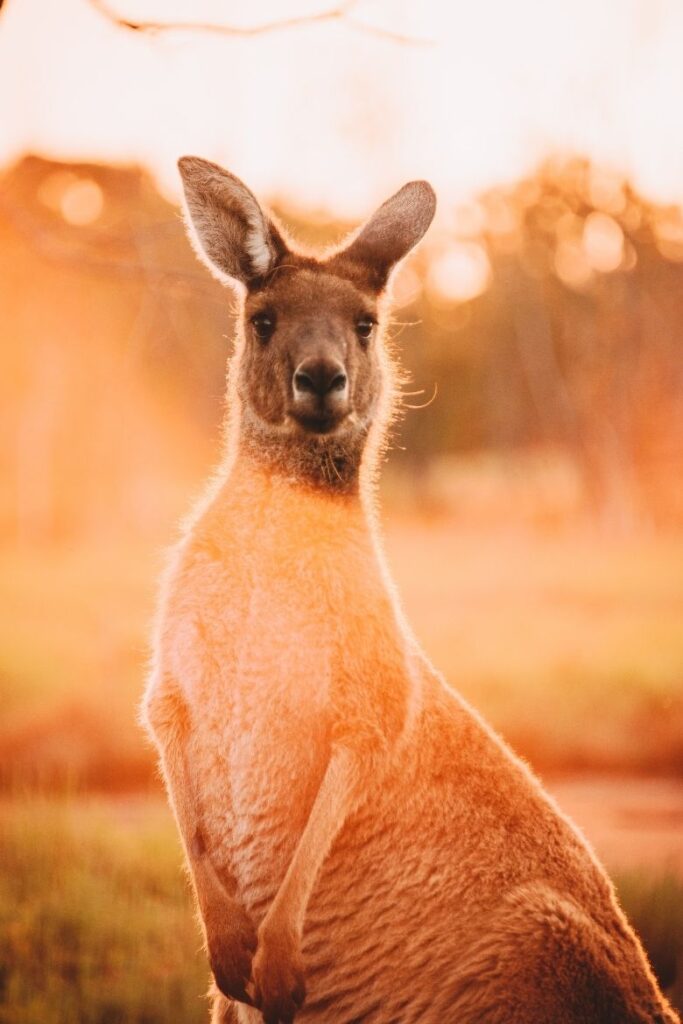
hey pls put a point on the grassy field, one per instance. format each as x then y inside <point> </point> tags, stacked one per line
<point>571,645</point>
<point>96,925</point>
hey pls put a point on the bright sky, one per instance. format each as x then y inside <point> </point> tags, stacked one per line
<point>334,117</point>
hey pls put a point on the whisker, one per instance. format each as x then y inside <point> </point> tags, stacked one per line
<point>404,323</point>
<point>425,404</point>
<point>332,466</point>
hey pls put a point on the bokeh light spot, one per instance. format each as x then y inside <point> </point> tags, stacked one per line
<point>82,202</point>
<point>603,242</point>
<point>460,273</point>
<point>53,187</point>
<point>571,265</point>
<point>669,234</point>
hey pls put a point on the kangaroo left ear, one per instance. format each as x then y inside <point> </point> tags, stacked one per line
<point>229,231</point>
<point>392,231</point>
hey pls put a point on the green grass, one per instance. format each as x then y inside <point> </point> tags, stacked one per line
<point>654,904</point>
<point>97,927</point>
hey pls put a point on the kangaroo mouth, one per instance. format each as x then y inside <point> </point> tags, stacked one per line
<point>320,423</point>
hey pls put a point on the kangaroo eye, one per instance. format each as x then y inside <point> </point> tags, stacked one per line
<point>264,325</point>
<point>364,328</point>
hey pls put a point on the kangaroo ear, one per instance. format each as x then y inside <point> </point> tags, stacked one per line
<point>390,234</point>
<point>228,229</point>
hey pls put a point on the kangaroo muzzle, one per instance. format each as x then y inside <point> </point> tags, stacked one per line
<point>320,393</point>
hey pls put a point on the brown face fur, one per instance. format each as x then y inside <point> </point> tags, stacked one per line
<point>310,373</point>
<point>317,315</point>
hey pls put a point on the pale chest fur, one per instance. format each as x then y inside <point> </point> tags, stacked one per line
<point>268,590</point>
<point>274,597</point>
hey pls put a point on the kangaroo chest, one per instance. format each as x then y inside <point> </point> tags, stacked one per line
<point>259,635</point>
<point>270,581</point>
<point>281,597</point>
<point>260,717</point>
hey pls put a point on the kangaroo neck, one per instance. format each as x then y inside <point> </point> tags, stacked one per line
<point>269,503</point>
<point>321,463</point>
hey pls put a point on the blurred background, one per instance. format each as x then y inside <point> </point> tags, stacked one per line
<point>533,496</point>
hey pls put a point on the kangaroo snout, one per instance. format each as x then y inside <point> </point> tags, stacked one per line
<point>320,389</point>
<point>319,377</point>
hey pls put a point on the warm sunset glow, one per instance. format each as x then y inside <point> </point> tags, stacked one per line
<point>603,242</point>
<point>461,272</point>
<point>405,287</point>
<point>526,362</point>
<point>571,264</point>
<point>82,202</point>
<point>606,190</point>
<point>475,95</point>
<point>669,230</point>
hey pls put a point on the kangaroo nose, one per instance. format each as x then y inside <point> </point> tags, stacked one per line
<point>318,377</point>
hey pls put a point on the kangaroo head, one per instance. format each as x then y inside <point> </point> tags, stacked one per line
<point>310,366</point>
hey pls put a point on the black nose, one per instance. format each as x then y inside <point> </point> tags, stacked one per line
<point>319,377</point>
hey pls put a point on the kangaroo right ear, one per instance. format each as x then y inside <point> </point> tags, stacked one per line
<point>228,230</point>
<point>390,234</point>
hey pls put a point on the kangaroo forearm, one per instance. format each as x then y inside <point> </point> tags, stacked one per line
<point>364,738</point>
<point>278,969</point>
<point>337,796</point>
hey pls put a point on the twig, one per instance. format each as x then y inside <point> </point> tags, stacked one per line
<point>226,30</point>
<point>340,13</point>
<point>386,33</point>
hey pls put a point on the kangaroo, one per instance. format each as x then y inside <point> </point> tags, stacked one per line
<point>363,847</point>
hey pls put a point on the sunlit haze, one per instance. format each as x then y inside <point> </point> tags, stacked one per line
<point>330,115</point>
<point>530,503</point>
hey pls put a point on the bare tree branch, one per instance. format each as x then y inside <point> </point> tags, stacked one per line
<point>385,33</point>
<point>340,13</point>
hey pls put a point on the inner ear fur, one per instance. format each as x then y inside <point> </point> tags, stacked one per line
<point>389,235</point>
<point>229,231</point>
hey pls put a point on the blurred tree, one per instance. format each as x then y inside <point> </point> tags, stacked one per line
<point>548,312</point>
<point>574,345</point>
<point>113,350</point>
